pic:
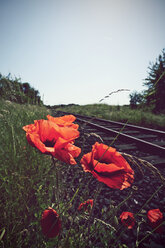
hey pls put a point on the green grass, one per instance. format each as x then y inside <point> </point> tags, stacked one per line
<point>141,117</point>
<point>21,174</point>
<point>28,186</point>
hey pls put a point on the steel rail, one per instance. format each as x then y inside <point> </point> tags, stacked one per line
<point>159,132</point>
<point>142,144</point>
<point>154,131</point>
<point>145,144</point>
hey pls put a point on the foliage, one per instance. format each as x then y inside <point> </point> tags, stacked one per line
<point>16,91</point>
<point>154,95</point>
<point>135,99</point>
<point>19,185</point>
<point>155,82</point>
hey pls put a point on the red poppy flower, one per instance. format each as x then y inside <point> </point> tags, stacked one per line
<point>50,223</point>
<point>85,205</point>
<point>108,166</point>
<point>51,139</point>
<point>64,121</point>
<point>128,220</point>
<point>155,218</point>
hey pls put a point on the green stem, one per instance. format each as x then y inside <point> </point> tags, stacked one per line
<point>149,234</point>
<point>138,213</point>
<point>99,188</point>
<point>126,199</point>
<point>68,204</point>
<point>57,182</point>
<point>149,199</point>
<point>14,146</point>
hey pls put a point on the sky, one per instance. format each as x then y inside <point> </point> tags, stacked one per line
<point>78,51</point>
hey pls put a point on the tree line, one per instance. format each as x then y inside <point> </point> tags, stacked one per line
<point>16,91</point>
<point>154,95</point>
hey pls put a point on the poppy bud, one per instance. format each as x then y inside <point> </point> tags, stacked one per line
<point>86,205</point>
<point>50,223</point>
<point>155,218</point>
<point>127,218</point>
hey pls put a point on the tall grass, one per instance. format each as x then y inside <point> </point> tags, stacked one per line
<point>22,177</point>
<point>141,117</point>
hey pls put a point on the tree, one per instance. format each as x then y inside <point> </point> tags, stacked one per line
<point>155,94</point>
<point>135,99</point>
<point>14,90</point>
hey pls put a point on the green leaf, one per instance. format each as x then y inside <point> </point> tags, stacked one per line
<point>2,234</point>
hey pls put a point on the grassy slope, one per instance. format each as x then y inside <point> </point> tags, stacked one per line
<point>119,113</point>
<point>22,176</point>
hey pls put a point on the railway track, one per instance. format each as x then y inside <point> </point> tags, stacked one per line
<point>148,144</point>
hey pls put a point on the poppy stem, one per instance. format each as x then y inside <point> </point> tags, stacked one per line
<point>150,198</point>
<point>126,199</point>
<point>123,228</point>
<point>114,244</point>
<point>137,245</point>
<point>97,192</point>
<point>57,182</point>
<point>13,139</point>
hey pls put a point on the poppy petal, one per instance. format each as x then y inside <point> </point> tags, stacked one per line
<point>108,166</point>
<point>66,152</point>
<point>54,140</point>
<point>66,120</point>
<point>155,218</point>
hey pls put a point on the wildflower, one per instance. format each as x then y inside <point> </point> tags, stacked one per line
<point>127,218</point>
<point>50,223</point>
<point>53,140</point>
<point>86,205</point>
<point>155,218</point>
<point>64,121</point>
<point>108,166</point>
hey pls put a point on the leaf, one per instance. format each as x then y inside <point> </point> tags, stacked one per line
<point>2,234</point>
<point>116,220</point>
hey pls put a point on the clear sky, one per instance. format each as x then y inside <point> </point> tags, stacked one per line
<point>78,51</point>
